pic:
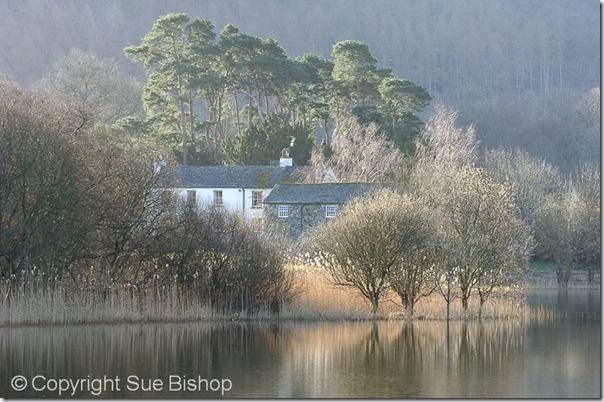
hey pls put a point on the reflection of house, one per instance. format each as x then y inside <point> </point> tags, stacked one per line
<point>232,188</point>
<point>294,208</point>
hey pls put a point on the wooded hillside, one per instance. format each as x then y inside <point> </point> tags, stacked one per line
<point>522,71</point>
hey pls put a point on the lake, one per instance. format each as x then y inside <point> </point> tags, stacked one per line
<point>554,358</point>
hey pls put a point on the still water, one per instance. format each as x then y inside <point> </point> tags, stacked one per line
<point>550,358</point>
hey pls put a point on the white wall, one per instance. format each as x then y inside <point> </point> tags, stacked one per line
<point>234,199</point>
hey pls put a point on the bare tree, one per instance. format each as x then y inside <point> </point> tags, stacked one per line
<point>43,219</point>
<point>369,241</point>
<point>359,153</point>
<point>530,179</point>
<point>94,89</point>
<point>415,277</point>
<point>442,150</point>
<point>568,225</point>
<point>553,222</point>
<point>481,234</point>
<point>446,282</point>
<point>443,144</point>
<point>586,218</point>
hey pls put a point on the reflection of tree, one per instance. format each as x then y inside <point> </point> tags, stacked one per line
<point>410,346</point>
<point>414,354</point>
<point>372,342</point>
<point>465,355</point>
<point>562,300</point>
<point>400,349</point>
<point>487,350</point>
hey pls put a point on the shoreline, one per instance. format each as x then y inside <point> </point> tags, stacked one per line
<point>527,313</point>
<point>269,320</point>
<point>546,279</point>
<point>318,301</point>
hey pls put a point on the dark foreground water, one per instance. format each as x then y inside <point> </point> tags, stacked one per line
<point>559,358</point>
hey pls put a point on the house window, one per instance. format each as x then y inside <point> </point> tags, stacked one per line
<point>256,199</point>
<point>283,211</point>
<point>218,201</point>
<point>330,211</point>
<point>192,198</point>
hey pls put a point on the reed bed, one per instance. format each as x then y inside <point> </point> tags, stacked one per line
<point>316,299</point>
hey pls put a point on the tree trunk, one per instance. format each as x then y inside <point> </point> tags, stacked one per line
<point>408,304</point>
<point>464,303</point>
<point>249,110</point>
<point>267,105</point>
<point>448,340</point>
<point>237,114</point>
<point>191,120</point>
<point>374,305</point>
<point>563,277</point>
<point>183,133</point>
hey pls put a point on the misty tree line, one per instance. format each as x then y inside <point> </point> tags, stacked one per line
<point>472,45</point>
<point>519,70</point>
<point>236,98</point>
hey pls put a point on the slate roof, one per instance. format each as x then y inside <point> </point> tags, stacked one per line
<point>223,176</point>
<point>323,193</point>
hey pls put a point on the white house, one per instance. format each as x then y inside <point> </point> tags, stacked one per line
<point>233,188</point>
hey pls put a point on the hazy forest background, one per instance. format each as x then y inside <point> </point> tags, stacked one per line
<point>523,72</point>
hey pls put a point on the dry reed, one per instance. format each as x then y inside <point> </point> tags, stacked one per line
<point>317,299</point>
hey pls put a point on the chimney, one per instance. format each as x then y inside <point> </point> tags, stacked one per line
<point>285,160</point>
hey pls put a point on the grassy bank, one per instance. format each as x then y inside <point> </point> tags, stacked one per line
<point>316,299</point>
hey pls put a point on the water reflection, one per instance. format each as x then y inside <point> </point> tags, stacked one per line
<point>388,359</point>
